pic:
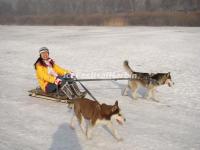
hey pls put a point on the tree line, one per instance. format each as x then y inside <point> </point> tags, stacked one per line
<point>46,7</point>
<point>20,10</point>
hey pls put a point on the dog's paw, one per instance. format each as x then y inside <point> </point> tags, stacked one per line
<point>155,100</point>
<point>146,96</point>
<point>89,137</point>
<point>72,127</point>
<point>120,139</point>
<point>135,98</point>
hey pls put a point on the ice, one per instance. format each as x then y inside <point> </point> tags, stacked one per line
<point>27,123</point>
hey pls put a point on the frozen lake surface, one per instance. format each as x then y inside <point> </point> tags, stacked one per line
<point>28,123</point>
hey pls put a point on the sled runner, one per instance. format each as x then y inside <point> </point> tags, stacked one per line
<point>38,93</point>
<point>65,97</point>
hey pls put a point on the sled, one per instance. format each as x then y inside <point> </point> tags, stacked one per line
<point>38,93</point>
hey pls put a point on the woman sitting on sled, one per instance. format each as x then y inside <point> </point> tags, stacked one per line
<point>51,77</point>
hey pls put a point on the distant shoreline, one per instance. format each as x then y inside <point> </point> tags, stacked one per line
<point>191,18</point>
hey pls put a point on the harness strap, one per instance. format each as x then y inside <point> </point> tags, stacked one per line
<point>88,91</point>
<point>133,75</point>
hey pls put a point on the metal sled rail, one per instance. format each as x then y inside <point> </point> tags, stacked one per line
<point>82,80</point>
<point>100,79</point>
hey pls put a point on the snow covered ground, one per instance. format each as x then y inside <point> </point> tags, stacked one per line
<point>28,123</point>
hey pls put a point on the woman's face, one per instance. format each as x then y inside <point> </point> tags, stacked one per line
<point>45,55</point>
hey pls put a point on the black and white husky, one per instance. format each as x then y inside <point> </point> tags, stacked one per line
<point>150,81</point>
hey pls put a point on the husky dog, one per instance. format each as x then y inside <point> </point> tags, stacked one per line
<point>150,81</point>
<point>95,113</point>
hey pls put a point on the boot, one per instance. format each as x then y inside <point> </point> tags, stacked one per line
<point>77,91</point>
<point>66,90</point>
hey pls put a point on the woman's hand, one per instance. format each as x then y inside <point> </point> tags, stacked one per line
<point>58,81</point>
<point>69,75</point>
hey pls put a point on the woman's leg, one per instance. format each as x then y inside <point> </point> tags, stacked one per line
<point>51,87</point>
<point>73,86</point>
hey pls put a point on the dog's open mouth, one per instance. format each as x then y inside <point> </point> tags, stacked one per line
<point>119,121</point>
<point>169,84</point>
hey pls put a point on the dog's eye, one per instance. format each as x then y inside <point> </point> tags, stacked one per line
<point>120,114</point>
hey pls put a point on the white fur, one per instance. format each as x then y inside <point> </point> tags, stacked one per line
<point>168,81</point>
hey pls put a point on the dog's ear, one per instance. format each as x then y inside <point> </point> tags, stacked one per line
<point>168,74</point>
<point>114,108</point>
<point>116,103</point>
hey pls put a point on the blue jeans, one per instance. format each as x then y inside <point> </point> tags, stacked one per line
<point>52,87</point>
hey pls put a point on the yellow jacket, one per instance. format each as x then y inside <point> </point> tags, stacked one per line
<point>44,78</point>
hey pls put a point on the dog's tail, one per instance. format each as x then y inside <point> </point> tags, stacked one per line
<point>127,67</point>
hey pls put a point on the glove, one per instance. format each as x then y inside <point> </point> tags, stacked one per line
<point>73,75</point>
<point>58,81</point>
<point>69,76</point>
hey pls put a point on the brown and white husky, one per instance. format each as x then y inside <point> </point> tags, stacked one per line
<point>96,113</point>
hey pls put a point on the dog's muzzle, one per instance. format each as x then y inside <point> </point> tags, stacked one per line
<point>120,119</point>
<point>169,82</point>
